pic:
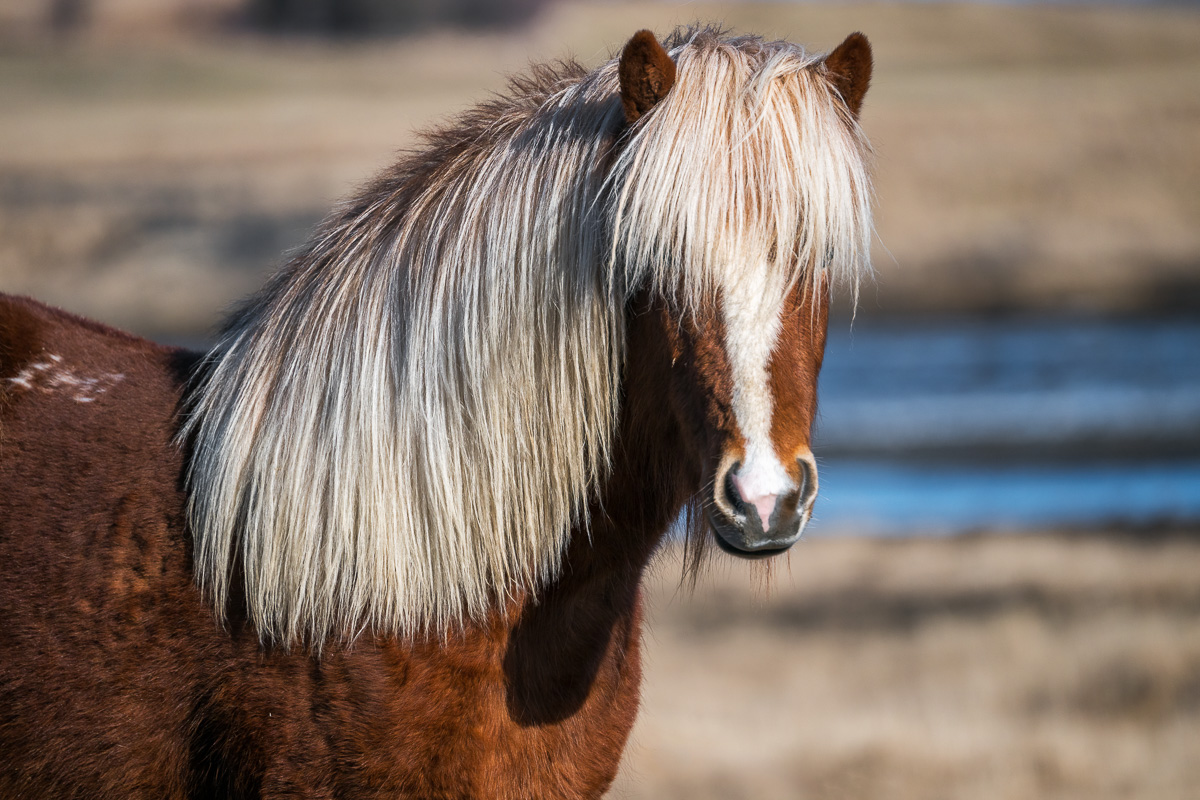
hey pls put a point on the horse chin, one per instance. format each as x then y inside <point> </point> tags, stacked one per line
<point>748,555</point>
<point>732,540</point>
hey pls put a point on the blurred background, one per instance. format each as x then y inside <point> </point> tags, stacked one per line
<point>1001,594</point>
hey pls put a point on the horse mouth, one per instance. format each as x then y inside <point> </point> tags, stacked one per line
<point>749,555</point>
<point>731,538</point>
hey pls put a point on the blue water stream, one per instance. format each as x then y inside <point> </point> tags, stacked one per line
<point>953,425</point>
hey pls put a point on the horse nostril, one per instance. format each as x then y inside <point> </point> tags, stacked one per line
<point>730,493</point>
<point>808,481</point>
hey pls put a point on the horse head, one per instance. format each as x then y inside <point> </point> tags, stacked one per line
<point>745,328</point>
<point>421,410</point>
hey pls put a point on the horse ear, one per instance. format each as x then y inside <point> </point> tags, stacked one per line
<point>849,69</point>
<point>647,73</point>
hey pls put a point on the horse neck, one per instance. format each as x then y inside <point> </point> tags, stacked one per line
<point>578,640</point>
<point>651,474</point>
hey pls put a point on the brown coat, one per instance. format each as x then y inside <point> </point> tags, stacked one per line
<point>117,682</point>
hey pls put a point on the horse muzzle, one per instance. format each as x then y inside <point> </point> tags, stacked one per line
<point>758,524</point>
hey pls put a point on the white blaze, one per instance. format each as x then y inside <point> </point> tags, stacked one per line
<point>753,304</point>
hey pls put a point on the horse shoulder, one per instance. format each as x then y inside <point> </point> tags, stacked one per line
<point>93,564</point>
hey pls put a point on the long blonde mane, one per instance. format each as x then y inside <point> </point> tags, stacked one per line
<point>403,427</point>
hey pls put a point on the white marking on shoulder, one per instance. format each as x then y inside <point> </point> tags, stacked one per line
<point>22,379</point>
<point>48,377</point>
<point>753,304</point>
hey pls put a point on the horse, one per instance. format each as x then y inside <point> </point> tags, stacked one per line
<point>386,538</point>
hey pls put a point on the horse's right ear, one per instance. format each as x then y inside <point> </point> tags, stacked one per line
<point>849,69</point>
<point>647,73</point>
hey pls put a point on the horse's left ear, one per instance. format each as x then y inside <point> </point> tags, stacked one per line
<point>849,69</point>
<point>647,73</point>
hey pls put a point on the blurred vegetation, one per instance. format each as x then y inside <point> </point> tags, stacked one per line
<point>334,18</point>
<point>373,17</point>
<point>158,161</point>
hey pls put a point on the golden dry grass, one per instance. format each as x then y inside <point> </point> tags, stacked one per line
<point>998,666</point>
<point>1027,157</point>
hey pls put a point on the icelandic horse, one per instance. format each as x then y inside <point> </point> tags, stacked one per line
<point>386,538</point>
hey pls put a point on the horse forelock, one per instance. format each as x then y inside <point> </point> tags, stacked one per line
<point>749,162</point>
<point>403,427</point>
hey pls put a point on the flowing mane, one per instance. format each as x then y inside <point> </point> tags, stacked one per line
<point>406,423</point>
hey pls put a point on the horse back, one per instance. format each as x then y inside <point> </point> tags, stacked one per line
<point>93,566</point>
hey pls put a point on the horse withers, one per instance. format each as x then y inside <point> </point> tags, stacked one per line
<point>386,538</point>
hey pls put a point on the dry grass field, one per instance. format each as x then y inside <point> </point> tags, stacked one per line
<point>1027,157</point>
<point>992,666</point>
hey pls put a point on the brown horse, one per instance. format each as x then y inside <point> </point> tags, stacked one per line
<point>386,539</point>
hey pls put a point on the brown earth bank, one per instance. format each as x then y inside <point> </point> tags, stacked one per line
<point>1028,158</point>
<point>1043,665</point>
